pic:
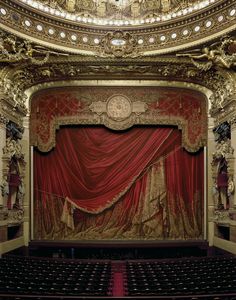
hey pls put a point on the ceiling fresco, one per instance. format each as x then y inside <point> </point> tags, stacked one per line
<point>119,12</point>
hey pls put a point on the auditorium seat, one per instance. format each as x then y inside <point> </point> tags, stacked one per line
<point>31,276</point>
<point>171,279</point>
<point>205,276</point>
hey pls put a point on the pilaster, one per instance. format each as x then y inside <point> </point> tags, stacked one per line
<point>233,163</point>
<point>209,183</point>
<point>3,122</point>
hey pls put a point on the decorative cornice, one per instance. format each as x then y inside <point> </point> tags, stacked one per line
<point>167,37</point>
<point>78,68</point>
<point>74,69</point>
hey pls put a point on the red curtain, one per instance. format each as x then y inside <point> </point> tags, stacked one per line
<point>106,176</point>
<point>185,188</point>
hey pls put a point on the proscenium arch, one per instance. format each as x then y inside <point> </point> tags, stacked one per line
<point>31,92</point>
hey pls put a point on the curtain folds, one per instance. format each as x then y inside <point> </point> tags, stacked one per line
<point>118,185</point>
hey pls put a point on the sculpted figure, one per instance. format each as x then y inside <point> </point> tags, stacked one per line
<point>213,56</point>
<point>101,8</point>
<point>70,5</point>
<point>135,9</point>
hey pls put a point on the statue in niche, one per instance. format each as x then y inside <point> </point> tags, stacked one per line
<point>223,181</point>
<point>14,182</point>
<point>14,190</point>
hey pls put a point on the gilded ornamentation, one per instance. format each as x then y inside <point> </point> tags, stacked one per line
<point>15,216</point>
<point>75,70</point>
<point>223,149</point>
<point>221,216</point>
<point>14,93</point>
<point>216,55</point>
<point>118,107</point>
<point>222,85</point>
<point>118,44</point>
<point>14,50</point>
<point>13,147</point>
<point>81,39</point>
<point>113,9</point>
<point>3,120</point>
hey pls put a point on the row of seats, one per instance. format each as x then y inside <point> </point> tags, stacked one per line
<point>29,276</point>
<point>204,276</point>
<point>64,278</point>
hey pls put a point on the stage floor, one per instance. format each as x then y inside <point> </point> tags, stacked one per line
<point>119,250</point>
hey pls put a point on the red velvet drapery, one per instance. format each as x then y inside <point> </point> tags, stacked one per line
<point>110,178</point>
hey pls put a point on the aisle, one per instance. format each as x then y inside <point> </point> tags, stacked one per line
<point>118,270</point>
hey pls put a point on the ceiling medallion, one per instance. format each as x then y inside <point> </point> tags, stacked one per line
<point>119,107</point>
<point>118,44</point>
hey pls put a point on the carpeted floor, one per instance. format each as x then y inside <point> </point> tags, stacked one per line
<point>118,269</point>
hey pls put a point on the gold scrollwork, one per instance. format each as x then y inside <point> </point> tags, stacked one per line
<point>119,44</point>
